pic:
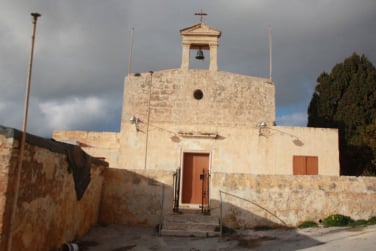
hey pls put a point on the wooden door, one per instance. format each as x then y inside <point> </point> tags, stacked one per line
<point>194,165</point>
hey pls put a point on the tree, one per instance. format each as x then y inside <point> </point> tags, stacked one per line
<point>346,99</point>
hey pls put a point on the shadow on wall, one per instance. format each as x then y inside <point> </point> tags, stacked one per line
<point>238,215</point>
<point>134,198</point>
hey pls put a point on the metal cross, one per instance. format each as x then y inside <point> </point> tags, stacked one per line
<point>201,14</point>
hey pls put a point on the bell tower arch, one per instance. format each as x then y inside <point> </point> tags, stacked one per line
<point>200,37</point>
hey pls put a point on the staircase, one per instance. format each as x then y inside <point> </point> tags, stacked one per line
<point>190,224</point>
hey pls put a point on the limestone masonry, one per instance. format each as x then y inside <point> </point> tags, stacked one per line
<point>194,133</point>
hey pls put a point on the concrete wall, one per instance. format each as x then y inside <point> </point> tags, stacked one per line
<point>259,200</point>
<point>269,150</point>
<point>48,212</point>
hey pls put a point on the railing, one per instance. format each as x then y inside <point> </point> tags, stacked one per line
<point>161,214</point>
<point>205,179</point>
<point>176,186</point>
<point>240,198</point>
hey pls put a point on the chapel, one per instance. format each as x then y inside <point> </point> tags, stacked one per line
<point>194,125</point>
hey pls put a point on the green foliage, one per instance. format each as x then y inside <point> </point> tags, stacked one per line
<point>372,220</point>
<point>337,220</point>
<point>346,99</point>
<point>308,224</point>
<point>358,223</point>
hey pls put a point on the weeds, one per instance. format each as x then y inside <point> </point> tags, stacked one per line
<point>308,224</point>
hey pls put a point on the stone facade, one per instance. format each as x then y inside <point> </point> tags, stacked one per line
<point>235,150</point>
<point>229,99</point>
<point>48,213</point>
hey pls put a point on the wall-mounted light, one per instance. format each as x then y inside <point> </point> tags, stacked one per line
<point>262,124</point>
<point>134,120</point>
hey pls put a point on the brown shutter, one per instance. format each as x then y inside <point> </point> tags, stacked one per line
<point>299,165</point>
<point>305,165</point>
<point>312,165</point>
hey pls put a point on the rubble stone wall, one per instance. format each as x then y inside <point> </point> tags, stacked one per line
<point>133,197</point>
<point>48,213</point>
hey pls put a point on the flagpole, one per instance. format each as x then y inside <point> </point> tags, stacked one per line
<point>23,138</point>
<point>270,52</point>
<point>131,52</point>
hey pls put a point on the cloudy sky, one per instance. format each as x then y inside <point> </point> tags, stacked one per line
<point>82,50</point>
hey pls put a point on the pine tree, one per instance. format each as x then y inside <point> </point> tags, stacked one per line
<point>346,99</point>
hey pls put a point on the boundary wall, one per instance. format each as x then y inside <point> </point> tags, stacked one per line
<point>48,212</point>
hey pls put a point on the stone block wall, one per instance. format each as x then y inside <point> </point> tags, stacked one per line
<point>48,213</point>
<point>133,197</point>
<point>255,200</point>
<point>228,99</point>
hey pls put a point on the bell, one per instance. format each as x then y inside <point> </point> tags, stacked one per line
<point>200,55</point>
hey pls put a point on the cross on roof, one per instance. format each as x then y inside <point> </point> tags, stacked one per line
<point>201,14</point>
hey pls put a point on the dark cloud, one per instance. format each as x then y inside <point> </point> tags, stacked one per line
<point>82,50</point>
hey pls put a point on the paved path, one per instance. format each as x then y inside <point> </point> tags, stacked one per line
<point>121,238</point>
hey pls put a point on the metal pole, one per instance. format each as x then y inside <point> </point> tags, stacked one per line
<point>270,52</point>
<point>23,138</point>
<point>130,52</point>
<point>148,121</point>
<point>220,211</point>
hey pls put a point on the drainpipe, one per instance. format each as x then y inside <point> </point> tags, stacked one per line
<point>23,138</point>
<point>148,121</point>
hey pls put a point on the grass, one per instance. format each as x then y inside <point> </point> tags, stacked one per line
<point>372,220</point>
<point>337,220</point>
<point>308,224</point>
<point>359,223</point>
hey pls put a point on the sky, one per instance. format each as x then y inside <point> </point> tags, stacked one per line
<point>82,52</point>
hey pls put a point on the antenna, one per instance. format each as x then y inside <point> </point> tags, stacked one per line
<point>130,52</point>
<point>270,52</point>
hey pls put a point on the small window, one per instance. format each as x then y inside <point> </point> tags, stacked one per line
<point>305,165</point>
<point>198,94</point>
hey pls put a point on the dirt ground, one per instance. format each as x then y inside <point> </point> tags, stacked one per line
<point>122,238</point>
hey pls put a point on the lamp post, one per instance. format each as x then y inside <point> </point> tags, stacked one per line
<point>23,138</point>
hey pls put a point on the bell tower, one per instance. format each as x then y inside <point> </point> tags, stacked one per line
<point>200,37</point>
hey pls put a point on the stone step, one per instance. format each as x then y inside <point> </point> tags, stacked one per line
<point>186,233</point>
<point>190,224</point>
<point>191,218</point>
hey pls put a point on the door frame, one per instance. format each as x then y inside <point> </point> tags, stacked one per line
<point>188,205</point>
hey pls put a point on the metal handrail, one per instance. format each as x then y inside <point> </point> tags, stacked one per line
<point>176,187</point>
<point>161,214</point>
<point>252,202</point>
